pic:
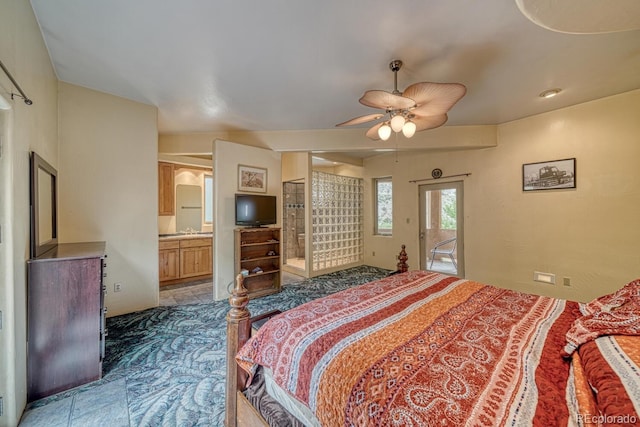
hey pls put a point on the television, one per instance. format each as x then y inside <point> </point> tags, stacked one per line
<point>255,210</point>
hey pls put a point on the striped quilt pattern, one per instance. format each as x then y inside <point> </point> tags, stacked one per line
<point>420,349</point>
<point>611,365</point>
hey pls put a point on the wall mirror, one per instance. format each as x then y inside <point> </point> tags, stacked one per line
<point>44,206</point>
<point>188,208</point>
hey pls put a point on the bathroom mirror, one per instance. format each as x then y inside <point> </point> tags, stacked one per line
<point>44,206</point>
<point>188,208</point>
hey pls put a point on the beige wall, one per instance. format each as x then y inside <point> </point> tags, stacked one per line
<point>22,128</point>
<point>226,158</point>
<point>296,166</point>
<point>108,189</point>
<point>589,234</point>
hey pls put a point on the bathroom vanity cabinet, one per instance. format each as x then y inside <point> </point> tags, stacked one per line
<point>185,258</point>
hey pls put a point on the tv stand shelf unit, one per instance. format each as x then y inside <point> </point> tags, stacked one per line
<point>66,318</point>
<point>257,250</point>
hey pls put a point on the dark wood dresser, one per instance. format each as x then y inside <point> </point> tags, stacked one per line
<point>66,318</point>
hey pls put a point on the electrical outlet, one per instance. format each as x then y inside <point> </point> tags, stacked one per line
<point>117,287</point>
<point>566,281</point>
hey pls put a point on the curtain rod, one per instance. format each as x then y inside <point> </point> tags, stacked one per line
<point>442,177</point>
<point>22,94</point>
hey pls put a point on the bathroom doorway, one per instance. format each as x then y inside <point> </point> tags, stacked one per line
<point>293,224</point>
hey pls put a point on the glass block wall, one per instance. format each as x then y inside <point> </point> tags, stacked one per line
<point>337,220</point>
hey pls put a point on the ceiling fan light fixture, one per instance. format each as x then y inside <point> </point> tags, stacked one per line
<point>384,132</point>
<point>419,107</point>
<point>409,129</point>
<point>397,122</point>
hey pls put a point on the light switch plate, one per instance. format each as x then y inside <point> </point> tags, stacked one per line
<point>544,277</point>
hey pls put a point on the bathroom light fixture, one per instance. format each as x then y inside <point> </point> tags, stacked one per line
<point>550,93</point>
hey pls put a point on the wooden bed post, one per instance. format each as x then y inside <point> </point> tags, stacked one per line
<point>238,332</point>
<point>402,261</point>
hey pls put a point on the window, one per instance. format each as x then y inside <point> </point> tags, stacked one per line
<point>448,214</point>
<point>383,206</point>
<point>208,199</point>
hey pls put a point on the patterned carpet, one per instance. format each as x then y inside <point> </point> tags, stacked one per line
<point>173,358</point>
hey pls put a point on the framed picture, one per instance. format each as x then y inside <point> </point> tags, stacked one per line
<point>251,178</point>
<point>551,175</point>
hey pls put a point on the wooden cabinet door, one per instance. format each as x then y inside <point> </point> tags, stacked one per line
<point>169,264</point>
<point>166,190</point>
<point>195,261</point>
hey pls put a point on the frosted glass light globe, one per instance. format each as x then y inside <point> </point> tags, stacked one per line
<point>409,129</point>
<point>397,122</point>
<point>384,132</point>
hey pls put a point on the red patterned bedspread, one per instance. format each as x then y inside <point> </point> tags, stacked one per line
<point>420,349</point>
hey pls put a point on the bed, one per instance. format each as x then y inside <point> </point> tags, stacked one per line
<point>420,348</point>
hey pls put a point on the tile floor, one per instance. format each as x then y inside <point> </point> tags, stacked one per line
<point>88,408</point>
<point>296,262</point>
<point>202,291</point>
<point>84,409</point>
<point>187,293</point>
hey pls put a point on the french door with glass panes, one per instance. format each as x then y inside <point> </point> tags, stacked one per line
<point>441,228</point>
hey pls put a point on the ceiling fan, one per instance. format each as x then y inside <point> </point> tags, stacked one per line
<point>420,107</point>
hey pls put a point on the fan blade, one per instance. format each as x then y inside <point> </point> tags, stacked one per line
<point>362,119</point>
<point>386,100</point>
<point>434,98</point>
<point>373,132</point>
<point>429,122</point>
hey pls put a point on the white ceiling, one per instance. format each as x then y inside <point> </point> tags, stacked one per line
<point>212,65</point>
